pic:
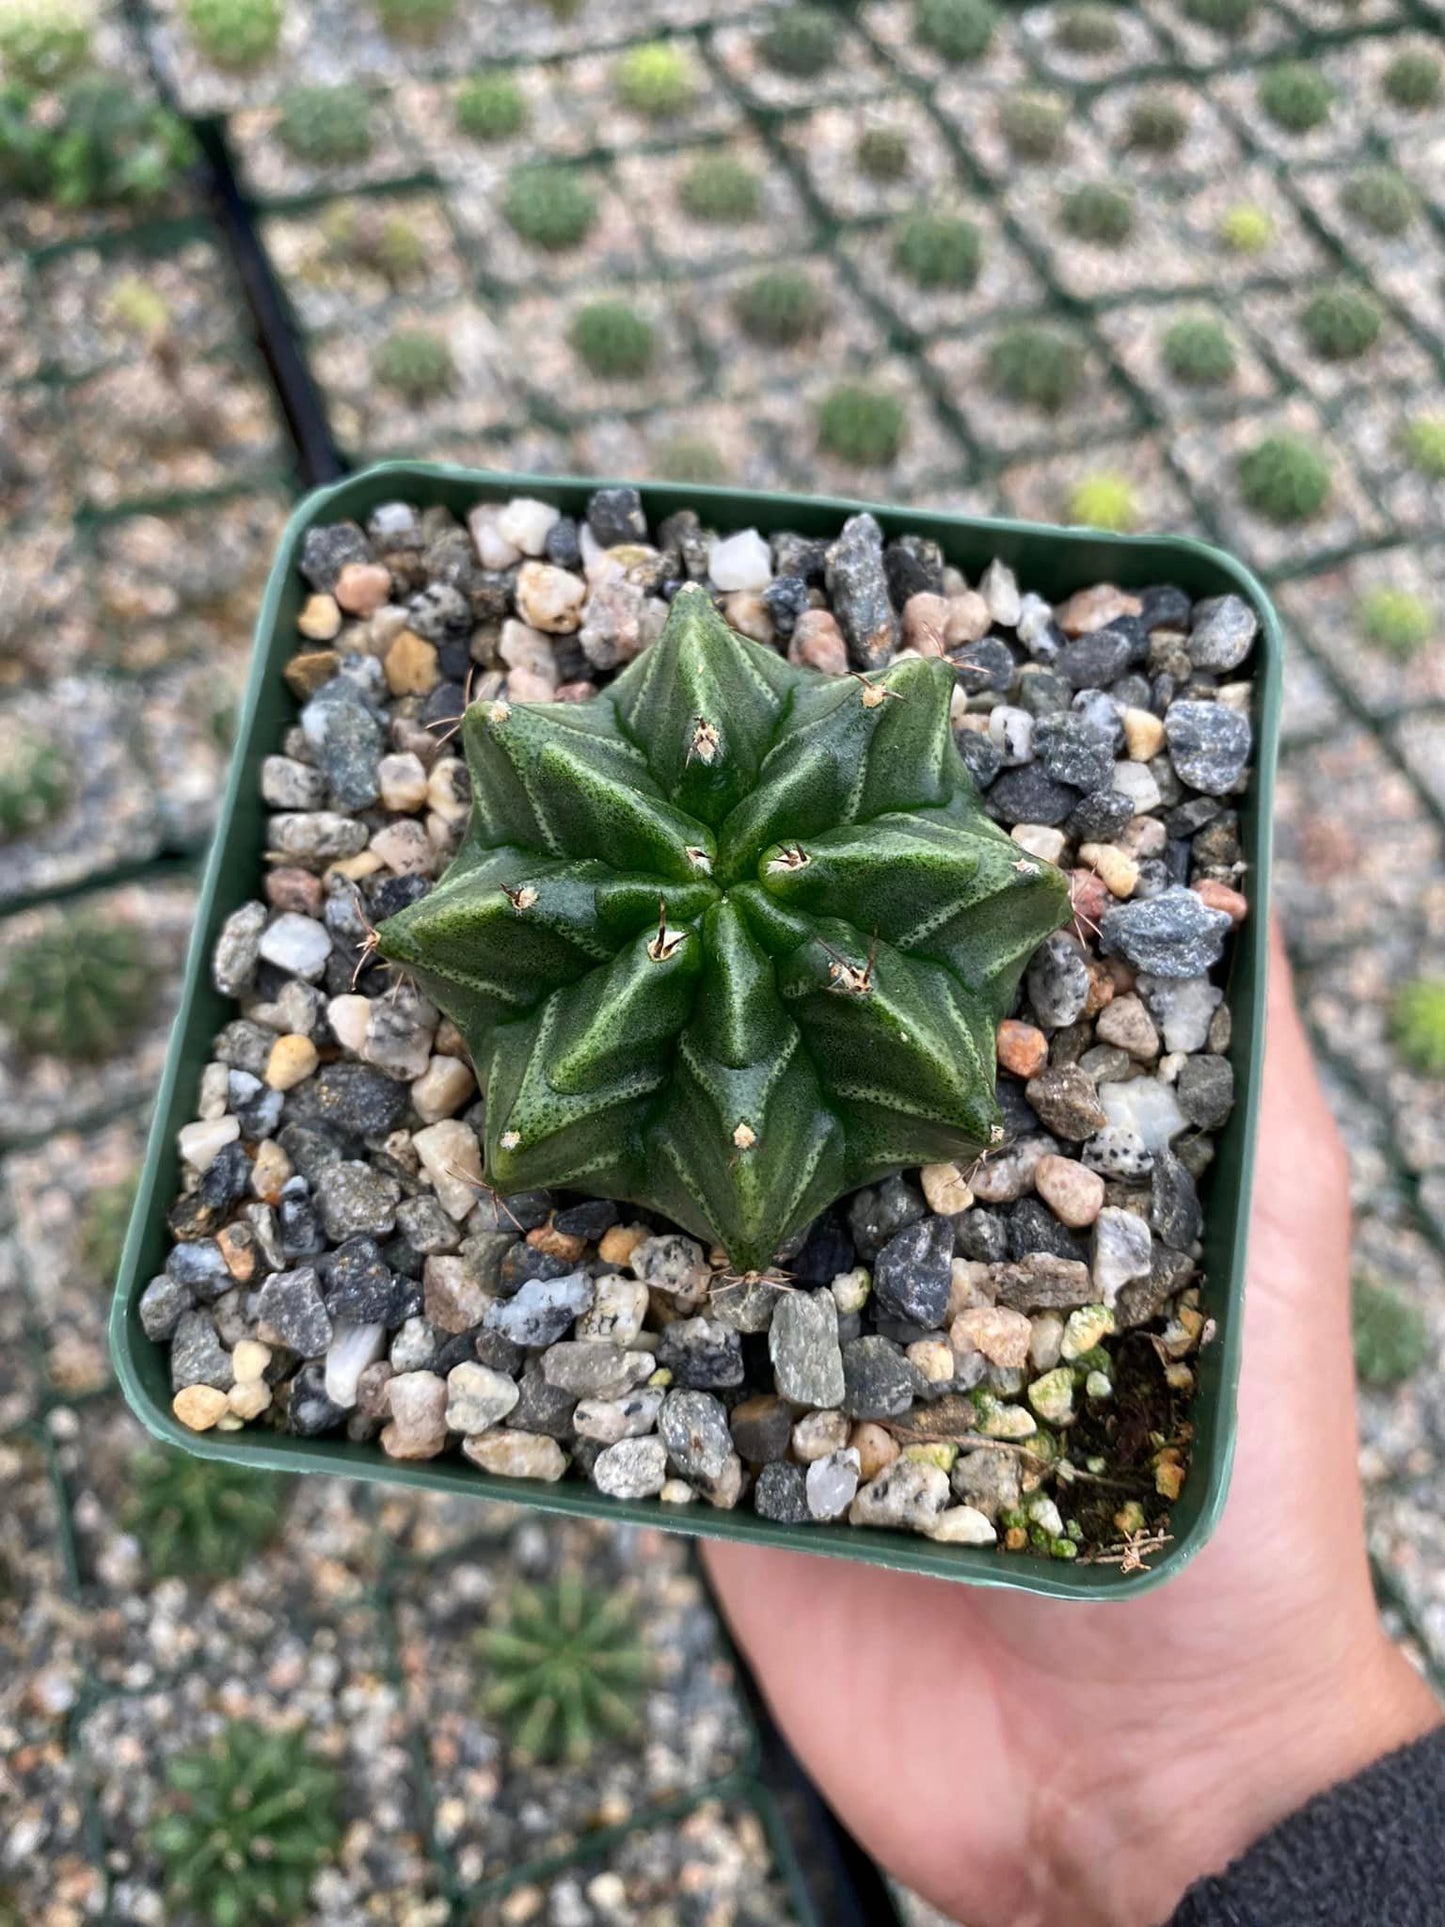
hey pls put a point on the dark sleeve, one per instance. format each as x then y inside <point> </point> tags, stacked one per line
<point>1367,1853</point>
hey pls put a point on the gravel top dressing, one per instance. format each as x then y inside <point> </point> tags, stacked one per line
<point>995,1346</point>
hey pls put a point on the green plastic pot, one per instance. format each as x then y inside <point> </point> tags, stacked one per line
<point>1050,560</point>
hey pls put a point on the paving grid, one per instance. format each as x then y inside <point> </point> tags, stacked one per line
<point>1363,773</point>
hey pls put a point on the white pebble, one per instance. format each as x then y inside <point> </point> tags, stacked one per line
<point>1147,1108</point>
<point>202,1142</point>
<point>741,561</point>
<point>348,1017</point>
<point>1012,732</point>
<point>1040,840</point>
<point>352,1349</point>
<point>494,551</point>
<point>963,1525</point>
<point>298,944</point>
<point>441,1090</point>
<point>1000,590</point>
<point>832,1483</point>
<point>526,523</point>
<point>403,781</point>
<point>452,1159</point>
<point>1136,781</point>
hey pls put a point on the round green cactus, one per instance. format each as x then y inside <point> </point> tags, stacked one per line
<point>614,340</point>
<point>551,207</point>
<point>195,1517</point>
<point>1099,213</point>
<point>938,250</point>
<point>491,107</point>
<point>1391,1337</point>
<point>1104,501</point>
<point>416,364</point>
<point>1296,97</point>
<point>416,21</point>
<point>1198,351</point>
<point>1157,124</point>
<point>1036,366</point>
<point>720,188</point>
<point>36,780</point>
<point>1341,322</point>
<point>1380,199</point>
<point>658,80</point>
<point>78,989</point>
<point>99,143</point>
<point>689,458</point>
<point>958,30</point>
<point>249,1822</point>
<point>237,34</point>
<point>1422,443</point>
<point>1246,228</point>
<point>43,42</point>
<point>1227,17</point>
<point>564,1669</point>
<point>1033,125</point>
<point>884,153</point>
<point>780,307</point>
<point>864,426</point>
<point>801,42</point>
<point>1088,30</point>
<point>326,126</point>
<point>731,938</point>
<point>1413,80</point>
<point>1417,1023</point>
<point>1397,621</point>
<point>1285,478</point>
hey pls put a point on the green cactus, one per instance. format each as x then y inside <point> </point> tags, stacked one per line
<point>247,1825</point>
<point>103,1225</point>
<point>416,364</point>
<point>1296,97</point>
<point>193,1517</point>
<point>1285,478</point>
<point>613,339</point>
<point>100,143</point>
<point>780,307</point>
<point>491,107</point>
<point>884,153</point>
<point>1246,228</point>
<point>79,989</point>
<point>1412,80</point>
<point>44,42</point>
<point>1104,501</point>
<point>658,80</point>
<point>1033,125</point>
<point>801,42</point>
<point>1417,1023</point>
<point>1227,17</point>
<point>1036,366</point>
<point>237,34</point>
<point>720,188</point>
<point>326,126</point>
<point>1099,213</point>
<point>1391,1338</point>
<point>1198,351</point>
<point>1422,443</point>
<point>739,972</point>
<point>1088,30</point>
<point>957,30</point>
<point>1380,199</point>
<point>1157,124</point>
<point>1341,322</point>
<point>689,458</point>
<point>565,1668</point>
<point>551,207</point>
<point>417,22</point>
<point>139,309</point>
<point>938,250</point>
<point>863,426</point>
<point>1396,621</point>
<point>36,780</point>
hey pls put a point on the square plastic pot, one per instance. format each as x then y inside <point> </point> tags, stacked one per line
<point>1053,562</point>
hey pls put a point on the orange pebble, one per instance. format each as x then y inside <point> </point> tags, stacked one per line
<point>1022,1048</point>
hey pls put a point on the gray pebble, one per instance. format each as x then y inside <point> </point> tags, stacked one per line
<point>702,1354</point>
<point>911,1278</point>
<point>1175,1216</point>
<point>326,551</point>
<point>1058,982</point>
<point>587,1370</point>
<point>1223,633</point>
<point>1175,934</point>
<point>352,1198</point>
<point>1074,750</point>
<point>1209,744</point>
<point>631,1469</point>
<point>542,1311</point>
<point>238,949</point>
<point>197,1355</point>
<point>162,1302</point>
<point>1205,1089</point>
<point>291,1305</point>
<point>781,1494</point>
<point>348,739</point>
<point>198,1265</point>
<point>858,591</point>
<point>803,1345</point>
<point>1030,795</point>
<point>694,1428</point>
<point>879,1381</point>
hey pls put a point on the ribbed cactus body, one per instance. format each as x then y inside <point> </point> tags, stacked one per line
<point>731,938</point>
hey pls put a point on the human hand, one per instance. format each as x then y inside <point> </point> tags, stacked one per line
<point>1019,1760</point>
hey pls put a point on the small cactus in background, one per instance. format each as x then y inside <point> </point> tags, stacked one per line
<point>79,989</point>
<point>103,1225</point>
<point>388,244</point>
<point>801,42</point>
<point>883,154</point>
<point>193,1517</point>
<point>135,306</point>
<point>1036,366</point>
<point>1246,228</point>
<point>1296,97</point>
<point>658,80</point>
<point>720,188</point>
<point>416,364</point>
<point>1157,124</point>
<point>689,458</point>
<point>44,42</point>
<point>1098,213</point>
<point>1104,501</point>
<point>565,1669</point>
<point>1417,1024</point>
<point>551,207</point>
<point>1198,351</point>
<point>780,307</point>
<point>325,126</point>
<point>237,34</point>
<point>1285,478</point>
<point>1391,1338</point>
<point>663,981</point>
<point>958,30</point>
<point>36,780</point>
<point>1088,30</point>
<point>415,21</point>
<point>613,339</point>
<point>1227,17</point>
<point>1380,199</point>
<point>249,1822</point>
<point>1341,322</point>
<point>1396,621</point>
<point>1412,80</point>
<point>1033,125</point>
<point>938,250</point>
<point>863,426</point>
<point>1422,443</point>
<point>490,107</point>
<point>99,143</point>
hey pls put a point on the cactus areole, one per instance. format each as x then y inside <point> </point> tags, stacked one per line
<point>730,939</point>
